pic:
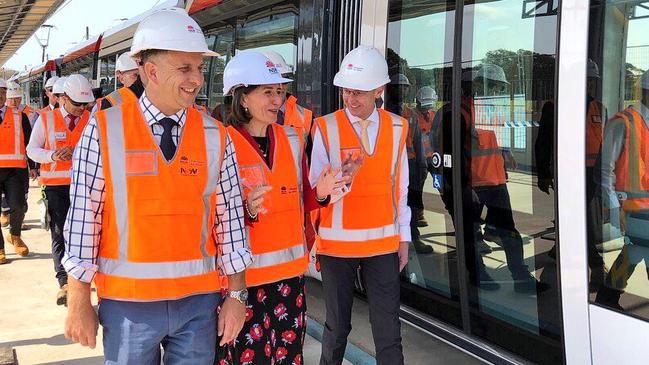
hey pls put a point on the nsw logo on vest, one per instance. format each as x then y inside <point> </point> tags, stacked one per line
<point>189,167</point>
<point>61,136</point>
<point>288,189</point>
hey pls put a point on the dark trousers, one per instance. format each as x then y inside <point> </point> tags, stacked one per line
<point>58,203</point>
<point>381,279</point>
<point>12,184</point>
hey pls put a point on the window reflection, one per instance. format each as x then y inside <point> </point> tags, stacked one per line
<point>107,74</point>
<point>617,185</point>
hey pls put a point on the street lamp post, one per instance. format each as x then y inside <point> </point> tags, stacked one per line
<point>47,40</point>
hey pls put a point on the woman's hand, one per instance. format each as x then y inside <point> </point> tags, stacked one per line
<point>255,200</point>
<point>327,182</point>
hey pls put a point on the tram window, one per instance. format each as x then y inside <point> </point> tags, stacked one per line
<point>107,75</point>
<point>617,146</point>
<point>224,46</point>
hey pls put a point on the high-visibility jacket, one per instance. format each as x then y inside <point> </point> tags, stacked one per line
<point>157,241</point>
<point>12,140</point>
<point>277,240</point>
<point>58,135</point>
<point>122,95</point>
<point>364,222</point>
<point>46,109</point>
<point>423,121</point>
<point>487,162</point>
<point>31,113</point>
<point>296,115</point>
<point>631,168</point>
<point>594,131</point>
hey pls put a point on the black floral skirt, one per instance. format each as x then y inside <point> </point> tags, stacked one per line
<point>274,329</point>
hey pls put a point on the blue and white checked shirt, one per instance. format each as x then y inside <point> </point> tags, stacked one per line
<point>87,195</point>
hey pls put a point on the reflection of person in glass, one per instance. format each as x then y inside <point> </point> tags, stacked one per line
<point>486,172</point>
<point>625,191</point>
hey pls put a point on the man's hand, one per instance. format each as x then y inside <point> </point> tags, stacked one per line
<point>62,154</point>
<point>403,254</point>
<point>327,182</point>
<point>33,174</point>
<point>233,313</point>
<point>81,323</point>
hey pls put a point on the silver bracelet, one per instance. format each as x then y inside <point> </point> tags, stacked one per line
<point>250,215</point>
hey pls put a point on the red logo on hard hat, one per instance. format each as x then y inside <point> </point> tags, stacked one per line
<point>350,66</point>
<point>269,64</point>
<point>190,28</point>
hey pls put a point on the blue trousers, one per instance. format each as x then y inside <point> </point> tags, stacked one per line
<point>134,332</point>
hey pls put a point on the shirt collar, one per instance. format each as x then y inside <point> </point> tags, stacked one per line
<point>3,109</point>
<point>374,117</point>
<point>153,115</point>
<point>64,113</point>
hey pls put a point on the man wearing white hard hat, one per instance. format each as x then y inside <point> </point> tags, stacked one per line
<point>51,98</point>
<point>15,96</point>
<point>13,170</point>
<point>157,217</point>
<point>128,75</point>
<point>624,191</point>
<point>291,113</point>
<point>53,139</point>
<point>368,224</point>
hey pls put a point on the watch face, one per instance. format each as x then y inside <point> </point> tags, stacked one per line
<point>243,295</point>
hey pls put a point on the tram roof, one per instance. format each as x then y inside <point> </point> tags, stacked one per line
<point>19,20</point>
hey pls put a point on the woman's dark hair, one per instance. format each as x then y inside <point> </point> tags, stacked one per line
<point>238,115</point>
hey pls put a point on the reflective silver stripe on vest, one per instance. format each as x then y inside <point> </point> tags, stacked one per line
<point>157,270</point>
<point>51,139</point>
<point>337,232</point>
<point>213,153</point>
<point>116,156</point>
<point>115,95</point>
<point>278,257</point>
<point>18,125</point>
<point>334,159</point>
<point>296,151</point>
<point>300,112</point>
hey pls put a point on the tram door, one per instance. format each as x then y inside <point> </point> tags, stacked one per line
<point>617,180</point>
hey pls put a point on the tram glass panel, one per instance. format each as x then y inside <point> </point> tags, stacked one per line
<point>420,59</point>
<point>224,46</point>
<point>617,142</point>
<point>107,74</point>
<point>507,117</point>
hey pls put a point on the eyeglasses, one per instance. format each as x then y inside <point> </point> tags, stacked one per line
<point>48,89</point>
<point>74,103</point>
<point>354,93</point>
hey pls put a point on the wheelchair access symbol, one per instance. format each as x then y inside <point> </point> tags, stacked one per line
<point>437,181</point>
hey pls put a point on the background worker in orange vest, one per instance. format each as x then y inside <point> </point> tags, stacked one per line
<point>277,192</point>
<point>127,73</point>
<point>625,191</point>
<point>368,223</point>
<point>290,113</point>
<point>13,170</point>
<point>51,98</point>
<point>156,215</point>
<point>53,139</point>
<point>15,100</point>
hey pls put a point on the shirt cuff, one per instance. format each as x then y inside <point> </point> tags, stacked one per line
<point>234,262</point>
<point>81,270</point>
<point>404,233</point>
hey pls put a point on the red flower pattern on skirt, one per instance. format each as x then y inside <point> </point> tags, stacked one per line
<point>247,357</point>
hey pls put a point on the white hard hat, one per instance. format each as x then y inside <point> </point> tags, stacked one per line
<point>14,90</point>
<point>78,89</point>
<point>279,61</point>
<point>57,88</point>
<point>3,83</point>
<point>592,70</point>
<point>426,96</point>
<point>399,79</point>
<point>250,68</point>
<point>172,30</point>
<point>50,82</point>
<point>491,72</point>
<point>644,80</point>
<point>125,63</point>
<point>363,68</point>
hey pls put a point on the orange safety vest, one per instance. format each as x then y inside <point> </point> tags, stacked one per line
<point>277,239</point>
<point>58,135</point>
<point>425,123</point>
<point>632,165</point>
<point>296,115</point>
<point>364,222</point>
<point>12,140</point>
<point>156,240</point>
<point>487,163</point>
<point>48,108</point>
<point>122,95</point>
<point>30,113</point>
<point>594,130</point>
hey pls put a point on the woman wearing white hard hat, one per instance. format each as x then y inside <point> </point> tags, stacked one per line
<point>169,223</point>
<point>13,169</point>
<point>274,174</point>
<point>291,113</point>
<point>127,73</point>
<point>55,135</point>
<point>367,225</point>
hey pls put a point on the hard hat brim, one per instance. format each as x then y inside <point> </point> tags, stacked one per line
<point>205,53</point>
<point>339,81</point>
<point>281,80</point>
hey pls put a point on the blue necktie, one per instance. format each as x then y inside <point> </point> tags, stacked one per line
<point>167,144</point>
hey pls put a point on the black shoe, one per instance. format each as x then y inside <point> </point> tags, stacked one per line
<point>421,247</point>
<point>484,248</point>
<point>487,282</point>
<point>527,284</point>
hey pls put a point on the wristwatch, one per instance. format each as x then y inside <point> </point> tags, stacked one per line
<point>240,295</point>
